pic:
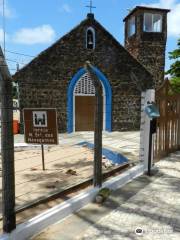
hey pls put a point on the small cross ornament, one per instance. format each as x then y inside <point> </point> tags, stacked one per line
<point>90,6</point>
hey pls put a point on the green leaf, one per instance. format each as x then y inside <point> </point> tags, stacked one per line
<point>174,70</point>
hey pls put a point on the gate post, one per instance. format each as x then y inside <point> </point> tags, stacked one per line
<point>7,149</point>
<point>147,96</point>
<point>98,127</point>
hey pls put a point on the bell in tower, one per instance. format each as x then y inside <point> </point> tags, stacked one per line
<point>90,39</point>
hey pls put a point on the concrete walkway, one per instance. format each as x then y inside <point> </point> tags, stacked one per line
<point>151,205</point>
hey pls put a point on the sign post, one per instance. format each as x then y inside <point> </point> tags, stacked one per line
<point>40,127</point>
<point>43,162</point>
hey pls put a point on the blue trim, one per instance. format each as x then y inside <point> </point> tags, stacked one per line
<point>108,93</point>
<point>113,156</point>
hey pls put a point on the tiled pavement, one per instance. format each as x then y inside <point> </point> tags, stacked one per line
<point>150,204</point>
<point>155,209</point>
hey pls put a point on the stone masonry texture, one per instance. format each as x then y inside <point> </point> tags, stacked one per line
<point>148,47</point>
<point>44,81</point>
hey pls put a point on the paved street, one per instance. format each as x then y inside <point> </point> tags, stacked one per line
<point>151,204</point>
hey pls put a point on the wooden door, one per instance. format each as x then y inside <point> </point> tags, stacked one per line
<point>84,113</point>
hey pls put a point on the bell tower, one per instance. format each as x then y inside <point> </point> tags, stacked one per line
<point>145,39</point>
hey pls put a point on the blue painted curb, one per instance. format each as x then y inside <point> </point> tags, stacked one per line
<point>115,157</point>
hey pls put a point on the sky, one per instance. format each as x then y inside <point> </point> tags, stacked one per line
<point>32,26</point>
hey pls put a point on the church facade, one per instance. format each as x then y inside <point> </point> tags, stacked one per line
<point>57,78</point>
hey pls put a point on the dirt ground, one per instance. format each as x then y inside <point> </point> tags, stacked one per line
<point>67,164</point>
<point>65,167</point>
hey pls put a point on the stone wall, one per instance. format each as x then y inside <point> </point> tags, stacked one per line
<point>44,82</point>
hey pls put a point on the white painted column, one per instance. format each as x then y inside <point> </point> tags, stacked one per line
<point>142,126</point>
<point>147,96</point>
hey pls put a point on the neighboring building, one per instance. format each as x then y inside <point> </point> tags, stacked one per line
<point>57,78</point>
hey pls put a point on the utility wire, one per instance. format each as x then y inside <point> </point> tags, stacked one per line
<point>15,61</point>
<point>22,54</point>
<point>4,28</point>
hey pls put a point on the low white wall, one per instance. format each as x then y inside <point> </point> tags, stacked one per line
<point>57,213</point>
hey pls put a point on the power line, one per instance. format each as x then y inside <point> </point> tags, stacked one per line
<point>15,61</point>
<point>22,54</point>
<point>4,27</point>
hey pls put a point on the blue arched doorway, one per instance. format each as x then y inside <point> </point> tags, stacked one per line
<point>108,99</point>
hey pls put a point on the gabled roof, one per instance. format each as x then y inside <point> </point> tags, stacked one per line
<point>89,20</point>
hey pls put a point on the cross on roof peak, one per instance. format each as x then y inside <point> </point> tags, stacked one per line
<point>90,6</point>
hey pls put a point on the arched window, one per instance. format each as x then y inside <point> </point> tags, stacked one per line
<point>90,38</point>
<point>84,86</point>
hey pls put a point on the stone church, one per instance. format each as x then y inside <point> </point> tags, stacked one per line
<point>56,78</point>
